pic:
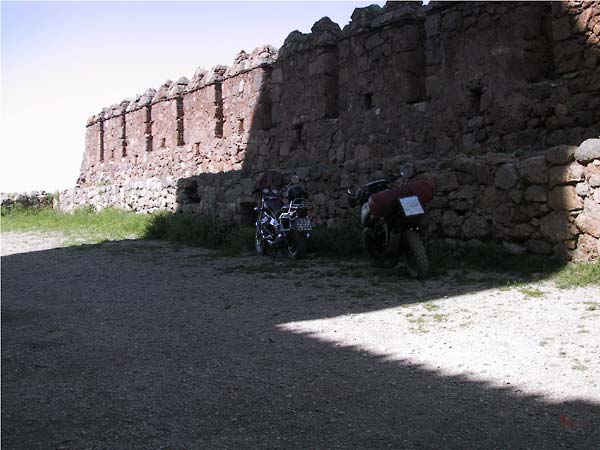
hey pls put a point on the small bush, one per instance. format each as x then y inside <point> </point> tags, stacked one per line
<point>200,231</point>
<point>577,275</point>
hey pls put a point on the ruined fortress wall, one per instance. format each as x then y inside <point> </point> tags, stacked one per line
<point>399,86</point>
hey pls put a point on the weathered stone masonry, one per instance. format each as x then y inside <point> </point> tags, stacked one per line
<point>476,96</point>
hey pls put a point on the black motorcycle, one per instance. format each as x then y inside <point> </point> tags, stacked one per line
<point>283,222</point>
<point>390,218</point>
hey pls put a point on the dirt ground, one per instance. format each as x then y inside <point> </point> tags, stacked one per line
<point>147,345</point>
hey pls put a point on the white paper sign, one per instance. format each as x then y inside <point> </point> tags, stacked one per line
<point>411,206</point>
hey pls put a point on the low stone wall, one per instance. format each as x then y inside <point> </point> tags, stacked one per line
<point>154,194</point>
<point>34,199</point>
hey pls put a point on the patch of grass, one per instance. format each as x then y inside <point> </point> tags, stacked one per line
<point>420,323</point>
<point>578,366</point>
<point>440,317</point>
<point>431,306</point>
<point>531,292</point>
<point>592,306</point>
<point>578,275</point>
<point>82,226</point>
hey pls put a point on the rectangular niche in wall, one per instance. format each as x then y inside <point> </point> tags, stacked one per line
<point>474,100</point>
<point>179,106</point>
<point>123,136</point>
<point>331,94</point>
<point>148,134</point>
<point>219,117</point>
<point>101,141</point>
<point>368,100</point>
<point>297,127</point>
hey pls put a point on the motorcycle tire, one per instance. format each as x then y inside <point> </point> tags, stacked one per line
<point>417,261</point>
<point>296,244</point>
<point>381,256</point>
<point>260,244</point>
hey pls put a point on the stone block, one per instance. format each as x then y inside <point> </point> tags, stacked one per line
<point>588,151</point>
<point>475,226</point>
<point>446,182</point>
<point>506,177</point>
<point>556,227</point>
<point>534,170</point>
<point>588,249</point>
<point>536,194</point>
<point>538,247</point>
<point>522,231</point>
<point>588,225</point>
<point>591,208</point>
<point>513,248</point>
<point>564,198</point>
<point>582,189</point>
<point>569,173</point>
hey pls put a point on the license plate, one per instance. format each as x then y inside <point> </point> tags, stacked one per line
<point>411,206</point>
<point>303,224</point>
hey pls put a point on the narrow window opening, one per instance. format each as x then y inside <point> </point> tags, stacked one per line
<point>298,133</point>
<point>101,142</point>
<point>179,105</point>
<point>219,111</point>
<point>240,126</point>
<point>123,136</point>
<point>196,148</point>
<point>368,100</point>
<point>474,100</point>
<point>331,89</point>
<point>163,142</point>
<point>148,134</point>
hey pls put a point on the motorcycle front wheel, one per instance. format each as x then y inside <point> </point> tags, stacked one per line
<point>417,262</point>
<point>380,254</point>
<point>296,244</point>
<point>260,244</point>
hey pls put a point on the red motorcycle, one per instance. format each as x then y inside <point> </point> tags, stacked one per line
<point>390,218</point>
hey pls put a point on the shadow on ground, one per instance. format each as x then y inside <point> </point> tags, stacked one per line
<point>133,345</point>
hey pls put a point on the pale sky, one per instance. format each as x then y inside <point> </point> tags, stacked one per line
<point>61,62</point>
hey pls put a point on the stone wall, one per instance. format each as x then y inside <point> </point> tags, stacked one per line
<point>34,199</point>
<point>449,82</point>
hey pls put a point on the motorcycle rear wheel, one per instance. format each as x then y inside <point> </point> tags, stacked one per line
<point>296,244</point>
<point>381,255</point>
<point>260,244</point>
<point>417,261</point>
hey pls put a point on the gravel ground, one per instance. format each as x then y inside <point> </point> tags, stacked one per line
<point>146,345</point>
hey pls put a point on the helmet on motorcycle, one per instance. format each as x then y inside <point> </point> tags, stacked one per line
<point>295,192</point>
